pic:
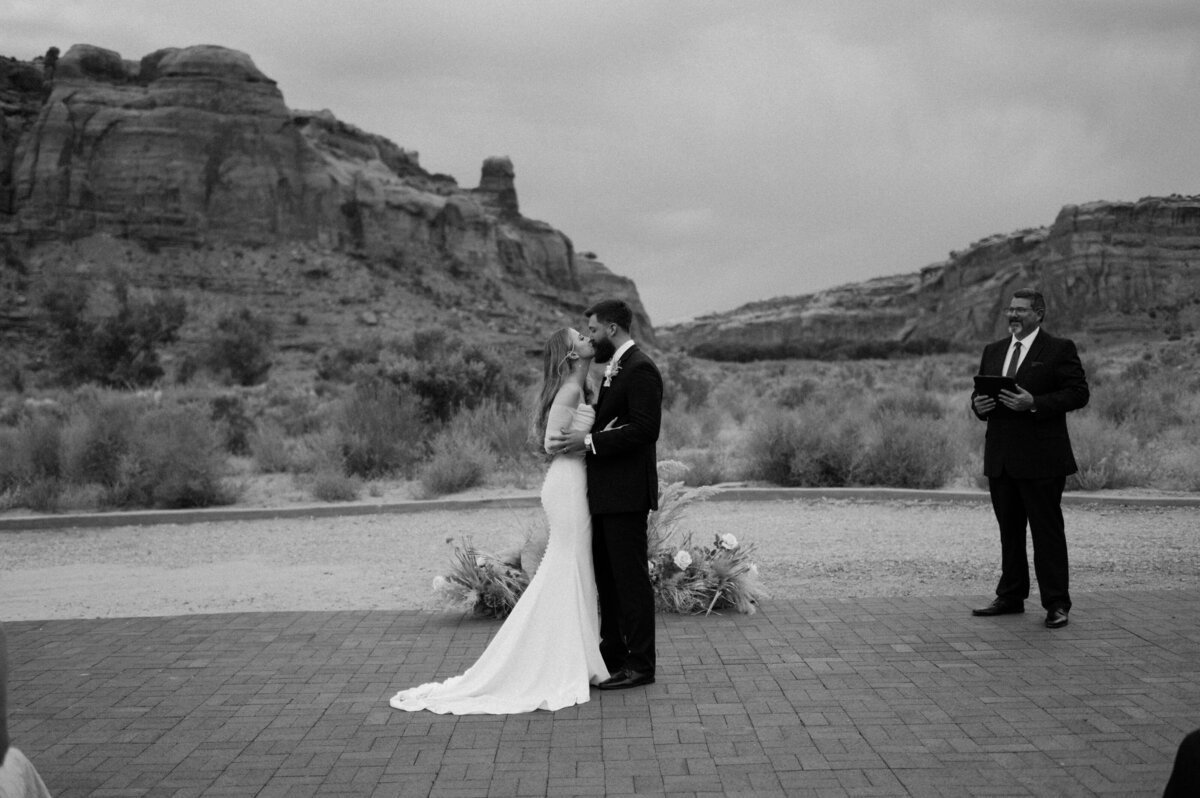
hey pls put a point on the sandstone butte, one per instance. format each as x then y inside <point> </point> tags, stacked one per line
<point>1111,272</point>
<point>186,171</point>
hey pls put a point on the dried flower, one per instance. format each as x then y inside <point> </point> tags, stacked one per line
<point>727,541</point>
<point>682,560</point>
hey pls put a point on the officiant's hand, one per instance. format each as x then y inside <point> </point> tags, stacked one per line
<point>1019,400</point>
<point>566,441</point>
<point>983,404</point>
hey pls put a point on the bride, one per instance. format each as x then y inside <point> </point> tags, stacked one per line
<point>547,652</point>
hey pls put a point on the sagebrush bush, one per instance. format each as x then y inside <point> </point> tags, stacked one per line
<point>297,411</point>
<point>32,451</point>
<point>118,349</point>
<point>97,438</point>
<point>456,465</point>
<point>269,448</point>
<point>828,449</point>
<point>1108,456</point>
<point>697,428</point>
<point>234,425</point>
<point>684,385</point>
<point>911,403</point>
<point>444,371</point>
<point>380,430</point>
<point>329,485</point>
<point>176,461</point>
<point>771,444</point>
<point>240,347</point>
<point>794,395</point>
<point>907,451</point>
<point>704,466</point>
<point>502,429</point>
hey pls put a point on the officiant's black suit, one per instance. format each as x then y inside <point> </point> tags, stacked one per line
<point>1027,457</point>
<point>622,479</point>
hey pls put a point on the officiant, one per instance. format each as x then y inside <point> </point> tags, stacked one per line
<point>1027,454</point>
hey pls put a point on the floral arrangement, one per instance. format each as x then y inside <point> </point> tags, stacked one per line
<point>686,578</point>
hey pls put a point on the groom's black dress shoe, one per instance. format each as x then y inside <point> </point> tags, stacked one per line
<point>624,679</point>
<point>1000,607</point>
<point>1056,618</point>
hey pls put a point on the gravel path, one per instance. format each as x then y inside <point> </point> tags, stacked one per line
<point>805,549</point>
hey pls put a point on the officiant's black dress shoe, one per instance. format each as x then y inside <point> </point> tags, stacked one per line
<point>1056,618</point>
<point>1000,607</point>
<point>624,679</point>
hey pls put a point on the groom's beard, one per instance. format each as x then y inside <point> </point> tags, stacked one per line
<point>604,350</point>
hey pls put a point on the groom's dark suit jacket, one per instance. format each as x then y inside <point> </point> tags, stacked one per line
<point>1035,445</point>
<point>622,475</point>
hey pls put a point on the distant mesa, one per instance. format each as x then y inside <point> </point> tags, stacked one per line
<point>1111,272</point>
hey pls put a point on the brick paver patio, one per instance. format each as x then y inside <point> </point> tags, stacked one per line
<point>846,697</point>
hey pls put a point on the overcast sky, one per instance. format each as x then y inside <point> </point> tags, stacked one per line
<point>723,152</point>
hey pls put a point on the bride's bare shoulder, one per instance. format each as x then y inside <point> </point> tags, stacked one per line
<point>569,395</point>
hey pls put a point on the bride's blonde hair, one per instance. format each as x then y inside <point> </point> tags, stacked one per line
<point>558,361</point>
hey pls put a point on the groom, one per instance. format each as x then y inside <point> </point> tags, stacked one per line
<point>622,480</point>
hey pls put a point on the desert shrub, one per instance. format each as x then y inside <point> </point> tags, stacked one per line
<point>78,498</point>
<point>445,372</point>
<point>120,349</point>
<point>1108,455</point>
<point>828,447</point>
<point>456,465</point>
<point>772,443</point>
<point>684,385</point>
<point>98,438</point>
<point>330,485</point>
<point>697,428</point>
<point>1178,468</point>
<point>920,404</point>
<point>296,411</point>
<point>175,461</point>
<point>502,429</point>
<point>31,451</point>
<point>40,494</point>
<point>380,431</point>
<point>704,466</point>
<point>450,373</point>
<point>339,363</point>
<point>233,423</point>
<point>794,395</point>
<point>240,347</point>
<point>906,451</point>
<point>269,448</point>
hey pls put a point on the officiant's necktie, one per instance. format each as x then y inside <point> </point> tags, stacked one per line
<point>1014,361</point>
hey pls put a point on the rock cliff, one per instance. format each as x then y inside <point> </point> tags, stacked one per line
<point>1111,271</point>
<point>187,170</point>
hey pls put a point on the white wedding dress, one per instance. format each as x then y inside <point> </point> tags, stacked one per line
<point>548,650</point>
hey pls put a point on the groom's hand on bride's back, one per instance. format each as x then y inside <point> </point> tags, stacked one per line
<point>566,441</point>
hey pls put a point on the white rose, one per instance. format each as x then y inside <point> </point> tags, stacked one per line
<point>653,565</point>
<point>754,569</point>
<point>682,560</point>
<point>439,582</point>
<point>728,541</point>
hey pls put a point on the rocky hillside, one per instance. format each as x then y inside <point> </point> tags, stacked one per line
<point>1111,271</point>
<point>186,171</point>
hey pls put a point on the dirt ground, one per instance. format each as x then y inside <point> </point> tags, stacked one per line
<point>804,549</point>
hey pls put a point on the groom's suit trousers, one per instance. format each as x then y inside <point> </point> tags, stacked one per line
<point>626,596</point>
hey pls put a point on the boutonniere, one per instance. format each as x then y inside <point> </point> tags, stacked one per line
<point>610,371</point>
